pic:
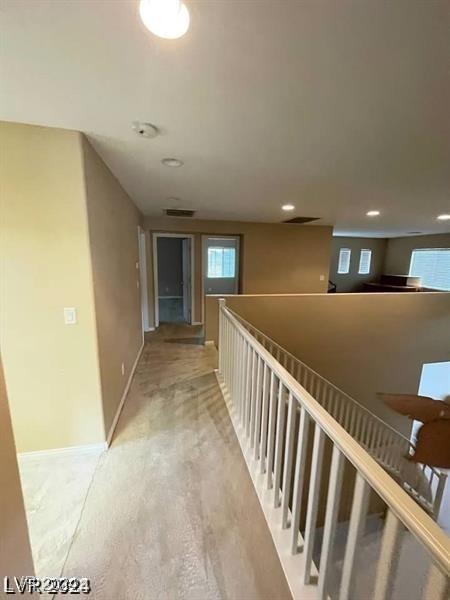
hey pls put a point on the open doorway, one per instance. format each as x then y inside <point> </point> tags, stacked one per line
<point>173,273</point>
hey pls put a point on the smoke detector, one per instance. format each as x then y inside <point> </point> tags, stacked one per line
<point>145,130</point>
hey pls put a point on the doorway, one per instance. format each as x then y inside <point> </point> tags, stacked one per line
<point>173,273</point>
<point>220,265</point>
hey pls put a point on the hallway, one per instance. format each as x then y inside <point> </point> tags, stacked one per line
<point>171,511</point>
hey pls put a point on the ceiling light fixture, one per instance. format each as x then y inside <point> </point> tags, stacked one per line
<point>288,207</point>
<point>172,162</point>
<point>373,213</point>
<point>165,18</point>
<point>444,217</point>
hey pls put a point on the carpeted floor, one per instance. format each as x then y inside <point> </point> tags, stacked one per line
<point>171,511</point>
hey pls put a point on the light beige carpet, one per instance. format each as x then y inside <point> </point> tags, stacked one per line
<point>171,512</point>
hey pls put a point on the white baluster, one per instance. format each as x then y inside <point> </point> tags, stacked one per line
<point>355,532</point>
<point>254,399</point>
<point>340,418</point>
<point>248,387</point>
<point>388,558</point>
<point>333,500</point>
<point>251,408</point>
<point>264,418</point>
<point>271,436</point>
<point>299,477</point>
<point>240,366</point>
<point>313,499</point>
<point>348,411</point>
<point>291,370</point>
<point>279,444</point>
<point>257,433</point>
<point>288,458</point>
<point>244,383</point>
<point>298,373</point>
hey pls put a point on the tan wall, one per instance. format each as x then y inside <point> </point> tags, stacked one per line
<point>353,281</point>
<point>15,551</point>
<point>399,250</point>
<point>363,343</point>
<point>274,257</point>
<point>51,369</point>
<point>113,232</point>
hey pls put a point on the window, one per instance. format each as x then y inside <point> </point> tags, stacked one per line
<point>364,262</point>
<point>432,266</point>
<point>344,261</point>
<point>221,262</point>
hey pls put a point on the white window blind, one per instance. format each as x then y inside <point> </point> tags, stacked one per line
<point>365,259</point>
<point>432,266</point>
<point>221,262</point>
<point>344,261</point>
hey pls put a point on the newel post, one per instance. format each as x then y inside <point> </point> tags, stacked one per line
<point>220,344</point>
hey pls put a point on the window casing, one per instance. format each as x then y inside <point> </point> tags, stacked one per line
<point>365,259</point>
<point>221,262</point>
<point>432,265</point>
<point>344,261</point>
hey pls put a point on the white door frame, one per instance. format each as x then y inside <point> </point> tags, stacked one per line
<point>155,237</point>
<point>143,278</point>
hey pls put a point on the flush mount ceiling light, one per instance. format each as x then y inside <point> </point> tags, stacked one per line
<point>287,207</point>
<point>444,217</point>
<point>146,130</point>
<point>172,162</point>
<point>165,18</point>
<point>373,213</point>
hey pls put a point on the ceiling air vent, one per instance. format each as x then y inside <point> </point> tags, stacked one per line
<point>179,212</point>
<point>301,220</point>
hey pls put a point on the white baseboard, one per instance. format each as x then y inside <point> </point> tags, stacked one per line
<point>85,449</point>
<point>209,343</point>
<point>196,323</point>
<point>149,329</point>
<point>124,396</point>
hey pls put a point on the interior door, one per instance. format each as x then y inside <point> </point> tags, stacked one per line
<point>221,260</point>
<point>187,280</point>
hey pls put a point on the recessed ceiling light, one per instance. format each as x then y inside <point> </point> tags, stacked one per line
<point>172,162</point>
<point>287,207</point>
<point>444,217</point>
<point>165,18</point>
<point>373,213</point>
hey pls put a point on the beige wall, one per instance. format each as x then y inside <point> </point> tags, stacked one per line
<point>274,257</point>
<point>353,281</point>
<point>51,369</point>
<point>15,551</point>
<point>69,239</point>
<point>364,343</point>
<point>113,233</point>
<point>399,250</point>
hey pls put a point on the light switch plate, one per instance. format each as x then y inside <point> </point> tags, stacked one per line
<point>70,316</point>
<point>322,278</point>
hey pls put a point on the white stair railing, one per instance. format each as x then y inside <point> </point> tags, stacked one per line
<point>387,445</point>
<point>259,392</point>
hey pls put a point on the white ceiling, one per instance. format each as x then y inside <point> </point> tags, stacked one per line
<point>337,107</point>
